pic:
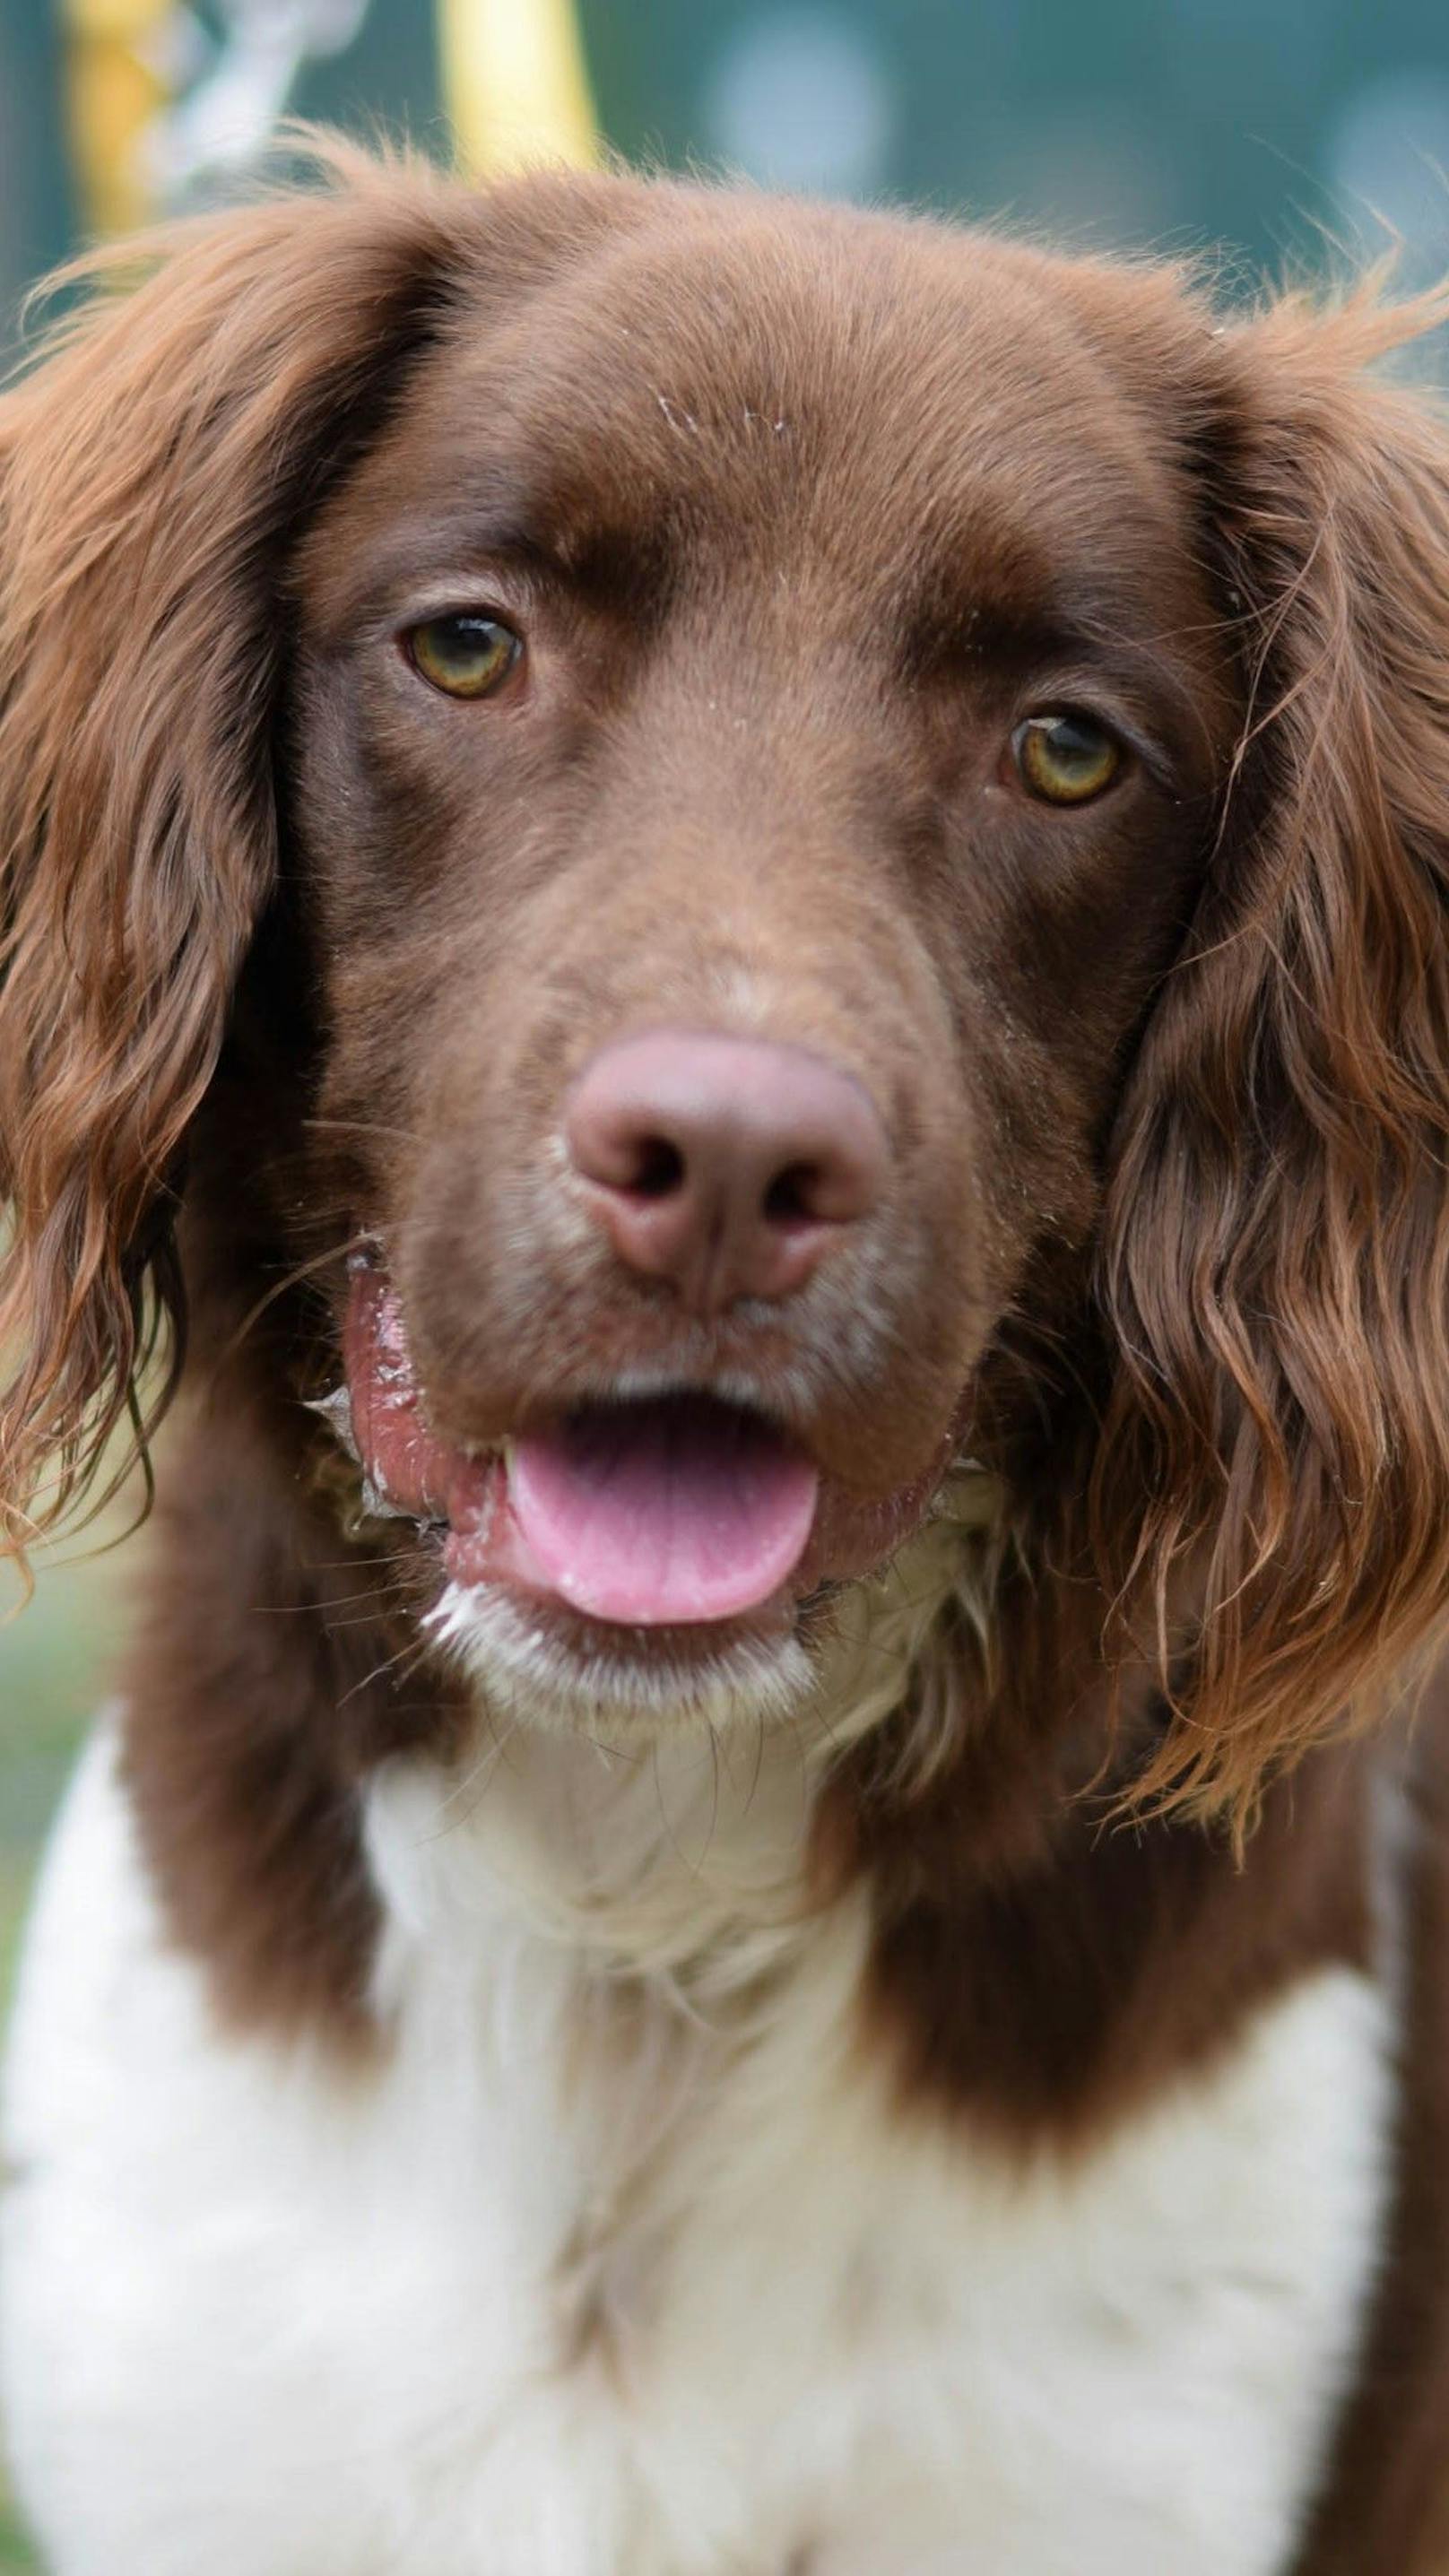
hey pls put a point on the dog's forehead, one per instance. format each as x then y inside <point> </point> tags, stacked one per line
<point>759,379</point>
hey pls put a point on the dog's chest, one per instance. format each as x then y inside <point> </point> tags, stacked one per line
<point>603,2280</point>
<point>778,2331</point>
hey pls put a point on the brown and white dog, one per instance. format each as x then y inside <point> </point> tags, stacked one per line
<point>745,907</point>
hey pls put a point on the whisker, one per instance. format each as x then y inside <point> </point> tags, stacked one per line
<point>360,1127</point>
<point>291,1279</point>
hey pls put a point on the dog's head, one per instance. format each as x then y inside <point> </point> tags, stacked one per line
<point>780,847</point>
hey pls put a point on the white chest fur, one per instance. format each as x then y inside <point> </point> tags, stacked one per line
<point>634,2270</point>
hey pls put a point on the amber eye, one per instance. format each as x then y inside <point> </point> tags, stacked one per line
<point>1065,759</point>
<point>466,655</point>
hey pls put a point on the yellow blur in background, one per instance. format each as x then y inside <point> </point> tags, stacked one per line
<point>515,91</point>
<point>115,54</point>
<point>515,84</point>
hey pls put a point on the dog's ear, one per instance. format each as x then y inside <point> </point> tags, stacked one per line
<point>1276,1249</point>
<point>154,466</point>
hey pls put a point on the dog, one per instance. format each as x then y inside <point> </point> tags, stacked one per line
<point>725,931</point>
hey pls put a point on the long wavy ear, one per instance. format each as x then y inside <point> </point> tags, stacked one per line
<point>1276,1252</point>
<point>152,468</point>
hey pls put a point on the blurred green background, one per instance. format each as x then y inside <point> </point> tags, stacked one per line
<point>1251,127</point>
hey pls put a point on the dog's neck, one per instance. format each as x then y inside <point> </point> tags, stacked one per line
<point>687,1859</point>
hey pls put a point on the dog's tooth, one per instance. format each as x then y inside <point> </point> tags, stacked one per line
<point>970,1496</point>
<point>336,1411</point>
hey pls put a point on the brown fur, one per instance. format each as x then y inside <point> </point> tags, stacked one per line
<point>798,511</point>
<point>1384,2500</point>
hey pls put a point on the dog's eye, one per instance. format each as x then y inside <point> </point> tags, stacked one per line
<point>1065,759</point>
<point>465,655</point>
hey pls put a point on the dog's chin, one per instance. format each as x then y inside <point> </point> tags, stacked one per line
<point>530,1665</point>
<point>630,1564</point>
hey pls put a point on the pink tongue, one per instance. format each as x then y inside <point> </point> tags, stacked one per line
<point>662,1513</point>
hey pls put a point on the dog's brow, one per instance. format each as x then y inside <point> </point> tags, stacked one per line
<point>411,550</point>
<point>601,555</point>
<point>1068,643</point>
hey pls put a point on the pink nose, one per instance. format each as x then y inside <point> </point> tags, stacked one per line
<point>723,1165</point>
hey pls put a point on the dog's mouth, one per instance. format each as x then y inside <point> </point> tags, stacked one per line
<point>680,1509</point>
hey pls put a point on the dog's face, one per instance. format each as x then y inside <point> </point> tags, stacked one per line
<point>815,844</point>
<point>715,744</point>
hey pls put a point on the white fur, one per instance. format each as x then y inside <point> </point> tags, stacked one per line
<point>625,2262</point>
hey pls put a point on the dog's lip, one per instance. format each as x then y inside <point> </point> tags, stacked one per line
<point>746,1539</point>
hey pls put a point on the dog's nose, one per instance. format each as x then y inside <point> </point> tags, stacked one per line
<point>725,1165</point>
